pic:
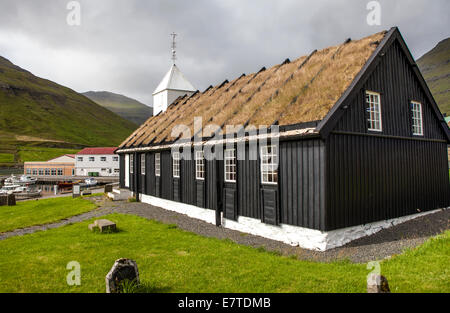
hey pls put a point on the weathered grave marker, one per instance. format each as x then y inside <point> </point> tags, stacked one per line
<point>122,270</point>
<point>103,225</point>
<point>377,284</point>
<point>76,191</point>
<point>11,200</point>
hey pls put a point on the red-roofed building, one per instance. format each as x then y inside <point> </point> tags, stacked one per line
<point>99,161</point>
<point>96,151</point>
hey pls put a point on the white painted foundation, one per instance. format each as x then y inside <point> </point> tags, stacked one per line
<point>293,235</point>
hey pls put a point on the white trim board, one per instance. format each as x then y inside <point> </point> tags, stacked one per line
<point>293,235</point>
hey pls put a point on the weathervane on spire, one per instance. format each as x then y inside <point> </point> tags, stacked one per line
<point>174,46</point>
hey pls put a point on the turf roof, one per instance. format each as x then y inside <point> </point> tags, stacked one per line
<point>303,90</point>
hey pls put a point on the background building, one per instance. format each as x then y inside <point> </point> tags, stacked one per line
<point>60,166</point>
<point>97,162</point>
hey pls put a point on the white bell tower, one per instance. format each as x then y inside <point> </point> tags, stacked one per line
<point>173,85</point>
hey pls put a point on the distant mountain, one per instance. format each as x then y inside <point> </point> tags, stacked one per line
<point>128,108</point>
<point>39,108</point>
<point>435,67</point>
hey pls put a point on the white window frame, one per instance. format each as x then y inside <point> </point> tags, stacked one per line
<point>115,158</point>
<point>131,163</point>
<point>157,164</point>
<point>142,163</point>
<point>199,165</point>
<point>103,159</point>
<point>417,116</point>
<point>60,172</point>
<point>269,169</point>
<point>91,159</point>
<point>176,164</point>
<point>375,116</point>
<point>80,159</point>
<point>229,165</point>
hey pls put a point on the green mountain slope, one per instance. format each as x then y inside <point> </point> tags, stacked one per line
<point>128,108</point>
<point>39,108</point>
<point>435,67</point>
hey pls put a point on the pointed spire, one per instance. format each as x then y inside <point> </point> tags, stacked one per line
<point>174,47</point>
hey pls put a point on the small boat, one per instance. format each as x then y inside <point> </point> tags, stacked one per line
<point>26,193</point>
<point>65,184</point>
<point>89,182</point>
<point>12,180</point>
<point>9,189</point>
<point>28,180</point>
<point>22,180</point>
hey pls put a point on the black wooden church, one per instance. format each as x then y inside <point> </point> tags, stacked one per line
<point>361,140</point>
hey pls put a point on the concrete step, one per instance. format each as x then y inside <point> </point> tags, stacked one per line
<point>119,194</point>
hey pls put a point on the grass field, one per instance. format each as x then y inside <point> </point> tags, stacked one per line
<point>6,158</point>
<point>172,260</point>
<point>54,112</point>
<point>29,154</point>
<point>37,212</point>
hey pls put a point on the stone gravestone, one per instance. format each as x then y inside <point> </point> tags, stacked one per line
<point>108,188</point>
<point>11,200</point>
<point>3,200</point>
<point>377,284</point>
<point>76,191</point>
<point>103,225</point>
<point>123,269</point>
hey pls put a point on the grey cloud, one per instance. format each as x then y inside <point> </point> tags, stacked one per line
<point>124,46</point>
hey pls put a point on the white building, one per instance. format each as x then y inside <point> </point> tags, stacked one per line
<point>173,85</point>
<point>97,162</point>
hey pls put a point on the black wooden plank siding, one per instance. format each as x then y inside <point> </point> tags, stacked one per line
<point>150,174</point>
<point>248,184</point>
<point>166,175</point>
<point>372,179</point>
<point>142,176</point>
<point>211,184</point>
<point>188,186</point>
<point>395,80</point>
<point>302,183</point>
<point>132,168</point>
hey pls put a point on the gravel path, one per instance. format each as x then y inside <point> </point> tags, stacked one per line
<point>73,219</point>
<point>379,246</point>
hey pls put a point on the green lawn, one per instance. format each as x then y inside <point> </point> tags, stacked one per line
<point>172,260</point>
<point>6,158</point>
<point>29,154</point>
<point>36,212</point>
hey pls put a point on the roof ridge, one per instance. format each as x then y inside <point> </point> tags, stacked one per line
<point>275,94</point>
<point>173,107</point>
<point>234,96</point>
<point>225,83</point>
<point>259,99</point>
<point>211,91</point>
<point>294,100</point>
<point>174,104</point>
<point>257,90</point>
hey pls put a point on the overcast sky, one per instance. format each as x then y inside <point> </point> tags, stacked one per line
<point>124,46</point>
